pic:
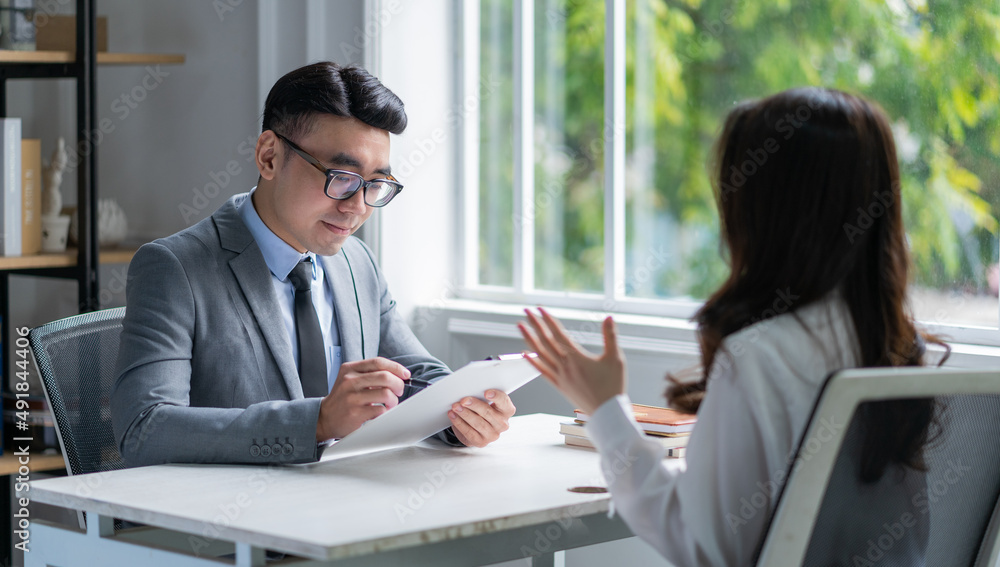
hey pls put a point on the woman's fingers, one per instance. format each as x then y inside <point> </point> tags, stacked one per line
<point>610,338</point>
<point>544,362</point>
<point>545,369</point>
<point>558,333</point>
<point>544,337</point>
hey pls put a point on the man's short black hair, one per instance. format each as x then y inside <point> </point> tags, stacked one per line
<point>328,88</point>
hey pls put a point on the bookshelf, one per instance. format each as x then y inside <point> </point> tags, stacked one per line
<point>39,463</point>
<point>65,259</point>
<point>103,58</point>
<point>80,264</point>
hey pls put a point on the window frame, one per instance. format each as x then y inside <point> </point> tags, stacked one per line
<point>613,299</point>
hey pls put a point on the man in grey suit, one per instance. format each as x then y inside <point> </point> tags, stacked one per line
<point>264,331</point>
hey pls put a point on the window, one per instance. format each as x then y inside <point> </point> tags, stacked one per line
<point>585,164</point>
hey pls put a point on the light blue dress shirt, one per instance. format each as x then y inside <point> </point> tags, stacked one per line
<point>280,259</point>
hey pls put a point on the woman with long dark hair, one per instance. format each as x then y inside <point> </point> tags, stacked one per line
<point>808,190</point>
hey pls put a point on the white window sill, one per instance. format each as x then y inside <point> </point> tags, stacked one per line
<point>637,333</point>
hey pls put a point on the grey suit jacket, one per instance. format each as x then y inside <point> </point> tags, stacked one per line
<point>206,370</point>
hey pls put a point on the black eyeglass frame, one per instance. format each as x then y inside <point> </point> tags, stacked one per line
<point>332,173</point>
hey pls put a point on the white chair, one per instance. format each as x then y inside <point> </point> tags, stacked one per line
<point>947,515</point>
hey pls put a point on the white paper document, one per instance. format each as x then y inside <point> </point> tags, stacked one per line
<point>426,413</point>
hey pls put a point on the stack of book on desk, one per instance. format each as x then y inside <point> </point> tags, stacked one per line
<point>669,428</point>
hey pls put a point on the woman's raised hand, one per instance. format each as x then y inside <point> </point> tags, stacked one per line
<point>586,380</point>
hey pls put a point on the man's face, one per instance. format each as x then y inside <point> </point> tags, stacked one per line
<point>290,199</point>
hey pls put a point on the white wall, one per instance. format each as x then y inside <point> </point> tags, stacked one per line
<point>417,236</point>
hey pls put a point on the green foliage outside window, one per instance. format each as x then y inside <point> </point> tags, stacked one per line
<point>934,66</point>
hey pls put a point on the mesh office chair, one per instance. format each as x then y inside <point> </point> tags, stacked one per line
<point>76,360</point>
<point>948,514</point>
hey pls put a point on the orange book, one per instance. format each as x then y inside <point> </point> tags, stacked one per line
<point>668,453</point>
<point>31,196</point>
<point>655,419</point>
<point>574,429</point>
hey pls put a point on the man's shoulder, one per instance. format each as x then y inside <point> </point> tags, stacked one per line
<point>197,239</point>
<point>203,237</point>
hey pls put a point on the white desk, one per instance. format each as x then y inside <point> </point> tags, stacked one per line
<point>425,505</point>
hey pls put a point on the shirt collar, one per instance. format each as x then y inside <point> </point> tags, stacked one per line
<point>278,255</point>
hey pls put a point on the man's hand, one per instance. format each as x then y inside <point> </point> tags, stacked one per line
<point>477,423</point>
<point>365,389</point>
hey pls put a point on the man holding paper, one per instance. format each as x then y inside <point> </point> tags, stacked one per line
<point>266,330</point>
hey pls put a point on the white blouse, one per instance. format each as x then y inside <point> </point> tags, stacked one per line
<point>712,508</point>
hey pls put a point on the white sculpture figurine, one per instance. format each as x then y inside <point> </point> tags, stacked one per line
<point>54,225</point>
<point>51,197</point>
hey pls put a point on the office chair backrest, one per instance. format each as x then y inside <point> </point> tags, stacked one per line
<point>948,514</point>
<point>76,360</point>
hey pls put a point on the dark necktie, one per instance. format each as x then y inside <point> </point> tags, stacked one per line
<point>312,350</point>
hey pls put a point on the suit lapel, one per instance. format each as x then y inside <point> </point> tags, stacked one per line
<point>254,279</point>
<point>349,317</point>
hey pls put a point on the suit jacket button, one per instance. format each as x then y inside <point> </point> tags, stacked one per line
<point>254,450</point>
<point>287,449</point>
<point>276,449</point>
<point>265,451</point>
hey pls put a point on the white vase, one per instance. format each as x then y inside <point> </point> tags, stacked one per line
<point>54,228</point>
<point>112,226</point>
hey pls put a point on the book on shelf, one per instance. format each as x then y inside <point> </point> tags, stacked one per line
<point>40,432</point>
<point>59,34</point>
<point>579,430</point>
<point>654,419</point>
<point>31,196</point>
<point>10,187</point>
<point>672,450</point>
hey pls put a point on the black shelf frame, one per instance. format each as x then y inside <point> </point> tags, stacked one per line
<point>84,70</point>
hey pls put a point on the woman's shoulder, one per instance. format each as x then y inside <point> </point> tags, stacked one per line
<point>829,315</point>
<point>809,342</point>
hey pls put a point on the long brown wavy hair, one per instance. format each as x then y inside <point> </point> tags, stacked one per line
<point>808,190</point>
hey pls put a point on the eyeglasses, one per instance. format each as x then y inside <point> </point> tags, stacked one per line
<point>342,185</point>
